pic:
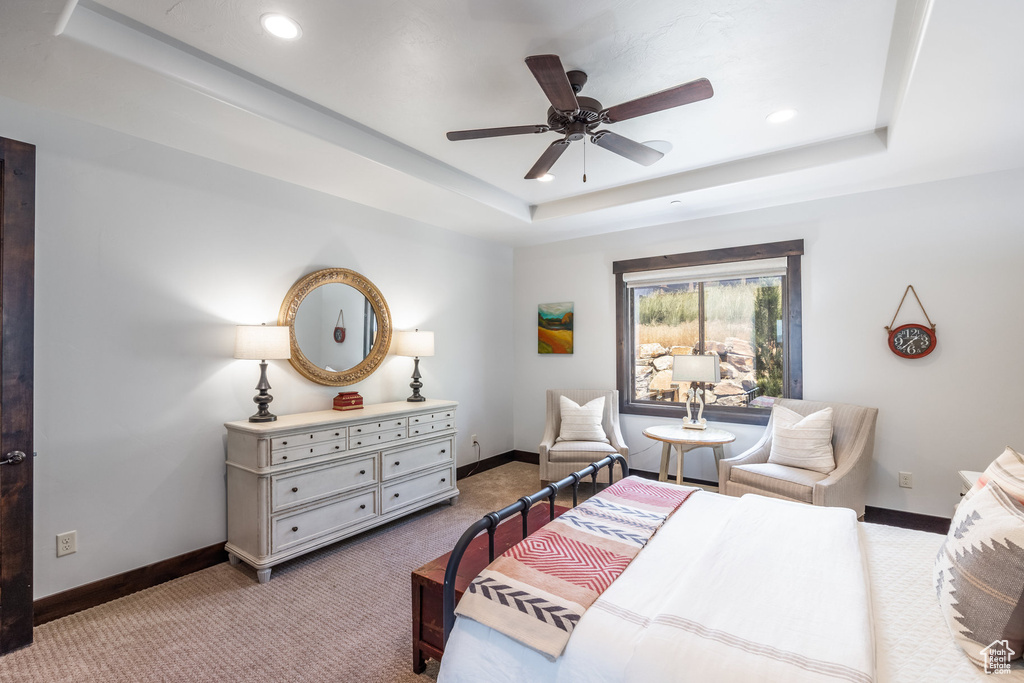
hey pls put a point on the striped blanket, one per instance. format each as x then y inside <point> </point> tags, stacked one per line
<point>538,590</point>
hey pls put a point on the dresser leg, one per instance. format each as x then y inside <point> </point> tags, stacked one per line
<point>453,500</point>
<point>263,575</point>
<point>233,559</point>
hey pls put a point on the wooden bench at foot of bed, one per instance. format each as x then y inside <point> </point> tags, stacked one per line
<point>428,580</point>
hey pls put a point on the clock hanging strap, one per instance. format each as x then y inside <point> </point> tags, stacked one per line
<point>910,288</point>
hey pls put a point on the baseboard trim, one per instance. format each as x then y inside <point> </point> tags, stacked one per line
<point>113,587</point>
<point>496,461</point>
<point>907,520</point>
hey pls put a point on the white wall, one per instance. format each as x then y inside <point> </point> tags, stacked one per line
<point>959,242</point>
<point>146,258</point>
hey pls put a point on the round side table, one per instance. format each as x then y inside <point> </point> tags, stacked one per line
<point>686,440</point>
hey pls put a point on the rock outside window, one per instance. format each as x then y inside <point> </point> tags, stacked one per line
<point>741,303</point>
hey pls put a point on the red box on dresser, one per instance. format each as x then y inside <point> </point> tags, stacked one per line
<point>348,400</point>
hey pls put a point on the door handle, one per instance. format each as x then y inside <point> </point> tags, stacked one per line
<point>13,458</point>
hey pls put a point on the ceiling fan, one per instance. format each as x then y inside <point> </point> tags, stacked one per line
<point>576,117</point>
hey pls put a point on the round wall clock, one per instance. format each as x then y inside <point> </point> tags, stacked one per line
<point>912,341</point>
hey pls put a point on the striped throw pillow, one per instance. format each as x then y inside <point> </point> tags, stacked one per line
<point>979,575</point>
<point>581,423</point>
<point>1008,471</point>
<point>803,442</point>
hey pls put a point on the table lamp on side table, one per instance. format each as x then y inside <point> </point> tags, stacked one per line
<point>415,344</point>
<point>695,369</point>
<point>263,343</point>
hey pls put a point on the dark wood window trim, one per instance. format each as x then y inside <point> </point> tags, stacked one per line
<point>792,250</point>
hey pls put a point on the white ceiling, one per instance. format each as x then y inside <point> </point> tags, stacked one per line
<point>889,92</point>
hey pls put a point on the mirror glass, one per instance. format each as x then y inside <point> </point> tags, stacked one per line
<point>335,327</point>
<point>340,325</point>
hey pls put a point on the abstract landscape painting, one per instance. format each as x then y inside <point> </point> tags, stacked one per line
<point>554,328</point>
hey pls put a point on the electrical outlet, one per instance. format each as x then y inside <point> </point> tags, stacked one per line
<point>67,543</point>
<point>475,442</point>
<point>906,480</point>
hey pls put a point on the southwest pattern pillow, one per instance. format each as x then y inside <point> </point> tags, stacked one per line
<point>979,574</point>
<point>803,442</point>
<point>581,423</point>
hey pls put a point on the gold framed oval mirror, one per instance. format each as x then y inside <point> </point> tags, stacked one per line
<point>340,326</point>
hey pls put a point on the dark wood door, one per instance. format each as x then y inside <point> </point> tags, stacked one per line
<point>17,277</point>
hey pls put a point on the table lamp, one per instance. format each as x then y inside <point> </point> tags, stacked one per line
<point>262,343</point>
<point>415,344</point>
<point>695,369</point>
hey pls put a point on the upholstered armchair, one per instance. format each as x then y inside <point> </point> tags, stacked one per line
<point>559,459</point>
<point>853,442</point>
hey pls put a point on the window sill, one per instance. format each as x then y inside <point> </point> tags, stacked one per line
<point>711,413</point>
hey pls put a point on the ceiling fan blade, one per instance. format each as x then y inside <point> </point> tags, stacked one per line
<point>550,74</point>
<point>496,132</point>
<point>624,147</point>
<point>547,159</point>
<point>694,91</point>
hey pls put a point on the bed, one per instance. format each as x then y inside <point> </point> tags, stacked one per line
<point>860,607</point>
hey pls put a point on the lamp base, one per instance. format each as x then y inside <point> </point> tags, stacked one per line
<point>416,384</point>
<point>687,424</point>
<point>263,399</point>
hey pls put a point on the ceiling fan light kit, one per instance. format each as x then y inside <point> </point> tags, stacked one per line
<point>575,117</point>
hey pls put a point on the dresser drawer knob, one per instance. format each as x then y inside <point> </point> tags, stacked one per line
<point>337,433</point>
<point>284,457</point>
<point>444,450</point>
<point>416,432</point>
<point>396,495</point>
<point>362,471</point>
<point>397,463</point>
<point>362,507</point>
<point>295,528</point>
<point>295,489</point>
<point>443,479</point>
<point>359,443</point>
<point>284,443</point>
<point>358,431</point>
<point>335,448</point>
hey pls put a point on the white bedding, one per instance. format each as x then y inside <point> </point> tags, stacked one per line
<point>613,643</point>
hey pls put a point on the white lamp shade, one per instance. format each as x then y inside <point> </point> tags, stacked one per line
<point>414,343</point>
<point>696,369</point>
<point>262,342</point>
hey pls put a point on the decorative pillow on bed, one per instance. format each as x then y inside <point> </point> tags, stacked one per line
<point>804,442</point>
<point>979,575</point>
<point>581,423</point>
<point>1008,471</point>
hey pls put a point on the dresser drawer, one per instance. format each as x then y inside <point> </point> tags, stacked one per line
<point>290,530</point>
<point>289,490</point>
<point>408,491</point>
<point>428,427</point>
<point>364,440</point>
<point>401,462</point>
<point>374,427</point>
<point>433,417</point>
<point>307,438</point>
<point>287,455</point>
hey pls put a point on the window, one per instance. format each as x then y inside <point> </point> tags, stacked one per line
<point>742,304</point>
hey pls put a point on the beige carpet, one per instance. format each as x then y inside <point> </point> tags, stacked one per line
<point>339,614</point>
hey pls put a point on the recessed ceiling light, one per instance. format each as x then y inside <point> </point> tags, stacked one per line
<point>780,116</point>
<point>281,26</point>
<point>546,178</point>
<point>675,202</point>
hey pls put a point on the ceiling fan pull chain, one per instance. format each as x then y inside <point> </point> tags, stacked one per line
<point>584,159</point>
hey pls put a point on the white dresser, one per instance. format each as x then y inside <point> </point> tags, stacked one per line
<point>308,480</point>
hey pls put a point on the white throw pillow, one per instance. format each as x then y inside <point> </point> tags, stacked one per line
<point>581,423</point>
<point>804,442</point>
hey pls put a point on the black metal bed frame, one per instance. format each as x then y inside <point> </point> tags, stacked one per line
<point>491,520</point>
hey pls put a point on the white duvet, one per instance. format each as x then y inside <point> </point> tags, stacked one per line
<point>728,590</point>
